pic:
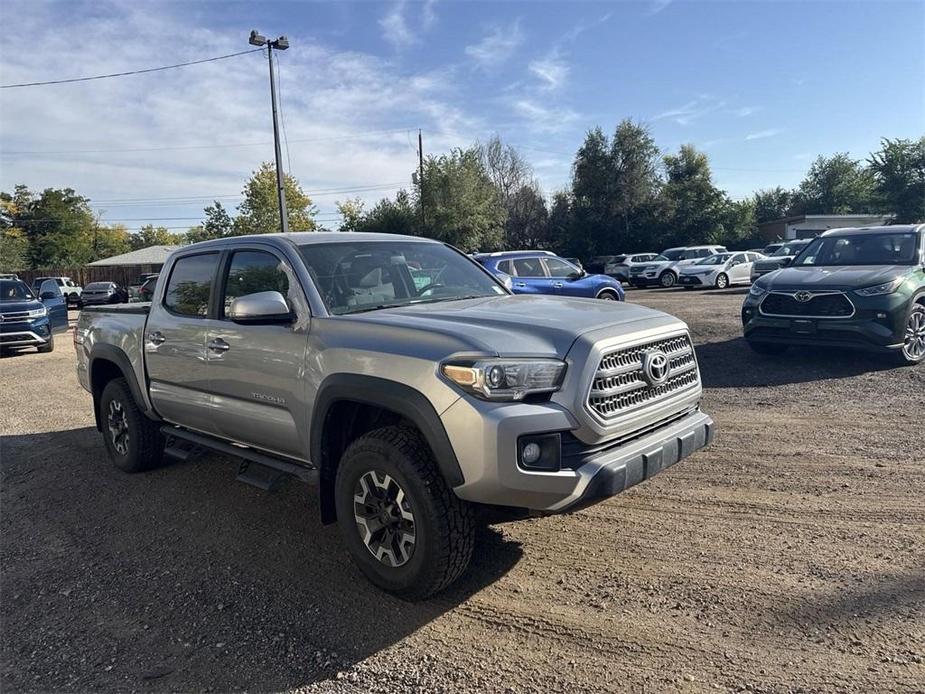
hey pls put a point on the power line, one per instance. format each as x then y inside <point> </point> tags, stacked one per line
<point>190,147</point>
<point>130,72</point>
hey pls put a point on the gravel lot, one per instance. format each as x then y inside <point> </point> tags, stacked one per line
<point>789,556</point>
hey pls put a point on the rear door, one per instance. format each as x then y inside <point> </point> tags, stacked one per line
<point>531,277</point>
<point>255,369</point>
<point>175,342</point>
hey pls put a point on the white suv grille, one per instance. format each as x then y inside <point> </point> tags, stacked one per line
<point>620,383</point>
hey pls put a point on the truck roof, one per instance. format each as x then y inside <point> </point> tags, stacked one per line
<point>860,231</point>
<point>301,238</point>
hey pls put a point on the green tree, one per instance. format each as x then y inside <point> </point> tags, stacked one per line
<point>14,246</point>
<point>694,206</point>
<point>527,223</point>
<point>217,224</point>
<point>636,183</point>
<point>771,204</point>
<point>351,212</point>
<point>558,226</point>
<point>592,176</point>
<point>898,168</point>
<point>259,211</point>
<point>462,206</point>
<point>58,225</point>
<point>150,235</point>
<point>399,216</point>
<point>835,185</point>
<point>108,241</point>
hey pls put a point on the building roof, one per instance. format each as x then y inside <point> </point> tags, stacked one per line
<point>152,255</point>
<point>834,217</point>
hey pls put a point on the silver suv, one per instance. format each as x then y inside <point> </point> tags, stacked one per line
<point>399,375</point>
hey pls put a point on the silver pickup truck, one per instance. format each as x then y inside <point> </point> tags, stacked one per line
<point>418,393</point>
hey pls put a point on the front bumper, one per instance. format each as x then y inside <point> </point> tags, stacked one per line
<point>692,280</point>
<point>485,437</point>
<point>25,333</point>
<point>877,325</point>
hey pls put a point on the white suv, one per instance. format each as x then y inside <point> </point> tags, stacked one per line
<point>621,267</point>
<point>664,273</point>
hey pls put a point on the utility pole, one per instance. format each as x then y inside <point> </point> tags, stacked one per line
<point>421,178</point>
<point>282,43</point>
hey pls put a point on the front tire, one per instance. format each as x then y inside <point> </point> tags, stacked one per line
<point>722,280</point>
<point>48,346</point>
<point>133,441</point>
<point>913,350</point>
<point>667,280</point>
<point>608,295</point>
<point>403,526</point>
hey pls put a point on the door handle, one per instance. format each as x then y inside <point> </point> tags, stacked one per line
<point>520,284</point>
<point>157,338</point>
<point>557,285</point>
<point>219,345</point>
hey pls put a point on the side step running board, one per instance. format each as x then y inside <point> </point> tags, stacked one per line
<point>258,469</point>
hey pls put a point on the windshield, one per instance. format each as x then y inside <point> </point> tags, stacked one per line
<point>790,249</point>
<point>862,249</point>
<point>673,254</point>
<point>718,259</point>
<point>95,286</point>
<point>14,290</point>
<point>367,275</point>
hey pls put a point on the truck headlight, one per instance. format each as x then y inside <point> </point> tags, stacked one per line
<point>881,289</point>
<point>506,379</point>
<point>757,291</point>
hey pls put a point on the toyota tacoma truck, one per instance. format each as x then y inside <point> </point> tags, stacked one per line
<point>399,376</point>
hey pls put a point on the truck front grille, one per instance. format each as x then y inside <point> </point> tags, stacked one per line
<point>828,305</point>
<point>621,383</point>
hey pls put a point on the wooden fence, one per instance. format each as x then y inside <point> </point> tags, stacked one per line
<point>123,275</point>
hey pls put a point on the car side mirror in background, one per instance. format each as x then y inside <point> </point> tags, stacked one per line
<point>260,307</point>
<point>45,296</point>
<point>786,261</point>
<point>577,275</point>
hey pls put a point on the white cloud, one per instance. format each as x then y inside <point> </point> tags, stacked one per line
<point>745,111</point>
<point>543,118</point>
<point>552,70</point>
<point>497,45</point>
<point>692,110</point>
<point>763,134</point>
<point>395,27</point>
<point>657,6</point>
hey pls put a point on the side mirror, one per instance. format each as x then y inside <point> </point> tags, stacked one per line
<point>45,296</point>
<point>786,261</point>
<point>577,275</point>
<point>260,307</point>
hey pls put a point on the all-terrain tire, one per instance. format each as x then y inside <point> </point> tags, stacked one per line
<point>142,448</point>
<point>444,525</point>
<point>48,346</point>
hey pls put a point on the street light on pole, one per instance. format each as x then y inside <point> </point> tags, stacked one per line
<point>282,43</point>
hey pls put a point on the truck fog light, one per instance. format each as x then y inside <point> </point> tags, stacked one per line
<point>531,453</point>
<point>542,452</point>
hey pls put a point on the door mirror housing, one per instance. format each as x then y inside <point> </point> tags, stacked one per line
<point>577,275</point>
<point>47,296</point>
<point>786,261</point>
<point>260,307</point>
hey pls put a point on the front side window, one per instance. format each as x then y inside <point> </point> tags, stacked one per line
<point>861,249</point>
<point>356,276</point>
<point>529,267</point>
<point>190,286</point>
<point>559,268</point>
<point>254,271</point>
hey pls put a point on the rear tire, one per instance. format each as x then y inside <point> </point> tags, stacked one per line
<point>768,348</point>
<point>133,441</point>
<point>667,280</point>
<point>913,350</point>
<point>48,346</point>
<point>403,526</point>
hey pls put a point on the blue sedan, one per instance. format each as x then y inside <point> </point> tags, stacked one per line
<point>542,272</point>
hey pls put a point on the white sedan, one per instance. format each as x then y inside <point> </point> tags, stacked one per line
<point>719,270</point>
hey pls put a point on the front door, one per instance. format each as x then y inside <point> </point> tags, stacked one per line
<point>254,370</point>
<point>531,277</point>
<point>175,343</point>
<point>740,268</point>
<point>563,277</point>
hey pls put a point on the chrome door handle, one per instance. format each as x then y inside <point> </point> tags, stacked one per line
<point>157,338</point>
<point>219,345</point>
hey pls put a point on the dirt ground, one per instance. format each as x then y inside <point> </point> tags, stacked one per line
<point>787,557</point>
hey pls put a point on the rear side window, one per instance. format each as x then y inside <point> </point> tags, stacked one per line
<point>190,287</point>
<point>529,267</point>
<point>505,267</point>
<point>251,272</point>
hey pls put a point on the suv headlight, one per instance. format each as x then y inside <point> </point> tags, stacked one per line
<point>506,379</point>
<point>881,289</point>
<point>38,312</point>
<point>757,291</point>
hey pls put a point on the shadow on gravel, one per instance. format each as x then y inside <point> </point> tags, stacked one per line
<point>733,364</point>
<point>183,579</point>
<point>892,595</point>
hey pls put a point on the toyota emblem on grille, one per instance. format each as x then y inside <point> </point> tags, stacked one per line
<point>655,367</point>
<point>803,296</point>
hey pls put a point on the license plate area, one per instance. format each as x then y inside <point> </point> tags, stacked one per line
<point>802,326</point>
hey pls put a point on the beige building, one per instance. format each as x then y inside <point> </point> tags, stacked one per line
<point>805,226</point>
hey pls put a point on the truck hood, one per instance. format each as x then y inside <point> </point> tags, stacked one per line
<point>841,278</point>
<point>17,306</point>
<point>521,325</point>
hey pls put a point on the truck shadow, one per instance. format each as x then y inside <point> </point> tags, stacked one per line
<point>184,579</point>
<point>733,364</point>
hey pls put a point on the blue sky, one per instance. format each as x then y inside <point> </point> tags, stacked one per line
<point>763,87</point>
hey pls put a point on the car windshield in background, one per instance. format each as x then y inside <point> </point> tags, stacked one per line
<point>673,255</point>
<point>369,275</point>
<point>790,249</point>
<point>96,286</point>
<point>861,249</point>
<point>718,259</point>
<point>11,290</point>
